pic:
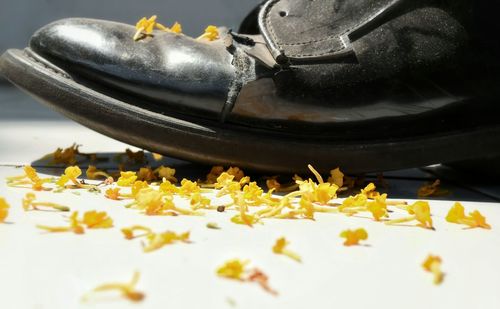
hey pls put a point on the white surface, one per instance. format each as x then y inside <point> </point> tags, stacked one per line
<point>41,270</point>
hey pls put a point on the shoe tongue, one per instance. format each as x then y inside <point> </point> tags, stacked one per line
<point>303,30</point>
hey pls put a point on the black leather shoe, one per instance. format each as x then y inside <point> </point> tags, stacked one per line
<point>367,85</point>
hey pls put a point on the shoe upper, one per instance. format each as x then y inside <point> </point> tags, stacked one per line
<point>352,65</point>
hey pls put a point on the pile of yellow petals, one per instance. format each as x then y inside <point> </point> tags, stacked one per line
<point>236,269</point>
<point>155,241</point>
<point>432,189</point>
<point>157,203</point>
<point>30,203</point>
<point>353,237</point>
<point>91,219</point>
<point>29,178</point>
<point>216,171</point>
<point>126,179</point>
<point>4,209</point>
<point>280,248</point>
<point>419,211</point>
<point>127,290</point>
<point>145,27</point>
<point>474,220</point>
<point>433,265</point>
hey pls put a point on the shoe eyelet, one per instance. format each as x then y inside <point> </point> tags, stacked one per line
<point>283,13</point>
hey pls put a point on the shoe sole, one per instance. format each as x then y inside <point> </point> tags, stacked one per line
<point>225,144</point>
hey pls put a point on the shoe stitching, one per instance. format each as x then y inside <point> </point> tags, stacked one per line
<point>332,37</point>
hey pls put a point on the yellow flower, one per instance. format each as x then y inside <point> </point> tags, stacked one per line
<point>167,187</point>
<point>280,248</point>
<point>126,289</point>
<point>233,269</point>
<point>352,237</point>
<point>159,240</point>
<point>136,157</point>
<point>30,177</point>
<point>97,220</point>
<point>4,209</point>
<point>129,231</point>
<point>419,211</point>
<point>236,172</point>
<point>211,34</point>
<point>433,264</point>
<point>66,156</point>
<point>432,189</point>
<point>378,207</point>
<point>92,173</point>
<point>167,173</point>
<point>29,203</point>
<point>369,191</point>
<point>199,201</point>
<point>144,26</point>
<point>126,179</point>
<point>214,173</point>
<point>188,188</point>
<point>146,174</point>
<point>176,28</point>
<point>138,186</point>
<point>71,173</point>
<point>474,219</point>
<point>113,193</point>
<point>336,177</point>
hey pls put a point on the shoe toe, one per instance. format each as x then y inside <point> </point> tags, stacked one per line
<point>166,67</point>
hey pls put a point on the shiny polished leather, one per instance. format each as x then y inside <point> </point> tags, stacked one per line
<point>188,75</point>
<point>407,73</point>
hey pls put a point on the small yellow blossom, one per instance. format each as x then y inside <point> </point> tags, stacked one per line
<point>188,188</point>
<point>127,290</point>
<point>211,34</point>
<point>137,157</point>
<point>71,173</point>
<point>126,179</point>
<point>128,232</point>
<point>214,173</point>
<point>146,174</point>
<point>167,173</point>
<point>4,209</point>
<point>352,237</point>
<point>145,26</point>
<point>97,220</point>
<point>138,186</point>
<point>280,248</point>
<point>473,220</point>
<point>433,264</point>
<point>176,28</point>
<point>159,240</point>
<point>336,177</point>
<point>378,207</point>
<point>66,156</point>
<point>419,211</point>
<point>113,194</point>
<point>432,189</point>
<point>233,269</point>
<point>29,203</point>
<point>30,177</point>
<point>92,173</point>
<point>199,201</point>
<point>369,191</point>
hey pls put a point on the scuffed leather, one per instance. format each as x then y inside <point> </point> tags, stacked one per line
<point>181,73</point>
<point>316,29</point>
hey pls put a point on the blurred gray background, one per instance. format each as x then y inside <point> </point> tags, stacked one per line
<point>20,18</point>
